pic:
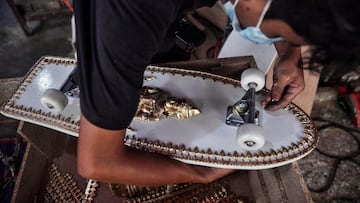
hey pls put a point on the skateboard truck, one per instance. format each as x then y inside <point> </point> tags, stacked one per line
<point>243,113</point>
<point>55,99</point>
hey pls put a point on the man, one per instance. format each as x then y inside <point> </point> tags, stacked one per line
<point>115,42</point>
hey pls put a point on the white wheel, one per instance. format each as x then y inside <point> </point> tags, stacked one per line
<point>250,136</point>
<point>54,100</point>
<point>252,75</point>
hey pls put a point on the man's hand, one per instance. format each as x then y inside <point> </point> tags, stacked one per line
<point>288,82</point>
<point>288,78</point>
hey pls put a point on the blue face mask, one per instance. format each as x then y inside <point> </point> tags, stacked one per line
<point>229,10</point>
<point>253,34</point>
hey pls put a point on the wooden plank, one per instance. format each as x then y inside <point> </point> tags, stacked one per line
<point>29,182</point>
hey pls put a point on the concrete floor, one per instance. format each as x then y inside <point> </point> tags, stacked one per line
<point>19,52</point>
<point>331,172</point>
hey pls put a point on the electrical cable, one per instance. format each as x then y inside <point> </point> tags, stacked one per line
<point>338,159</point>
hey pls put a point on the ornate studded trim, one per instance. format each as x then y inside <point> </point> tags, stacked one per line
<point>33,115</point>
<point>195,74</point>
<point>235,159</point>
<point>62,188</point>
<point>307,143</point>
<point>217,191</point>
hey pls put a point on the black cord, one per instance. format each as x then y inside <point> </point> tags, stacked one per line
<point>338,159</point>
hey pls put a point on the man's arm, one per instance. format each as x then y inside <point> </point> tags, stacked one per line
<point>288,79</point>
<point>103,156</point>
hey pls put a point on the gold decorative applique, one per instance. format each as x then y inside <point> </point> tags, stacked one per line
<point>156,104</point>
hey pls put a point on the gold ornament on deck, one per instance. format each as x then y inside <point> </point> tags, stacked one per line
<point>156,104</point>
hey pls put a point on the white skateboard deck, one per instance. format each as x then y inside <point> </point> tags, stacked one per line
<point>204,139</point>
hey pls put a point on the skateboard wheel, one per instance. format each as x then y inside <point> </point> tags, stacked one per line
<point>252,75</point>
<point>54,100</point>
<point>250,137</point>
